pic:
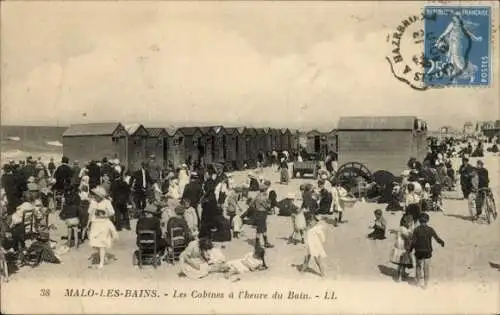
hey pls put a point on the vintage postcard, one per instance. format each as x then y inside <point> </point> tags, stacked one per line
<point>249,157</point>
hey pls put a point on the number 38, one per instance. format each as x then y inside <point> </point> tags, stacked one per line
<point>44,292</point>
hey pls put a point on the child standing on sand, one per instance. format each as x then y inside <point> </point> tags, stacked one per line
<point>298,220</point>
<point>422,244</point>
<point>401,255</point>
<point>315,238</point>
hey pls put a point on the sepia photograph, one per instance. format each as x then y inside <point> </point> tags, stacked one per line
<point>249,157</point>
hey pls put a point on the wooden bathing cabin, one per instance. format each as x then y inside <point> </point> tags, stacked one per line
<point>382,143</point>
<point>157,144</point>
<point>86,142</point>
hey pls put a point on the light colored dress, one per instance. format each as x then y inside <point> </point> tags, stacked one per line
<point>183,180</point>
<point>411,198</point>
<point>193,252</point>
<point>315,238</point>
<point>299,220</point>
<point>246,264</point>
<point>192,221</point>
<point>403,237</point>
<point>337,194</point>
<point>173,191</point>
<point>102,231</point>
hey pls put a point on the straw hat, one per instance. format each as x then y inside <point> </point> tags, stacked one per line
<point>184,165</point>
<point>99,191</point>
<point>405,173</point>
<point>31,179</point>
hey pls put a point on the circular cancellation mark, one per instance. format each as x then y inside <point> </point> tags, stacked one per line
<point>406,58</point>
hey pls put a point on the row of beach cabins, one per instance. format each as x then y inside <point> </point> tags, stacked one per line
<point>380,142</point>
<point>134,143</point>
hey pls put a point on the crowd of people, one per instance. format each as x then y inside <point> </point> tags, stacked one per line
<point>188,210</point>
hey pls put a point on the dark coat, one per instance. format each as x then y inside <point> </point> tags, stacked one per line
<point>138,180</point>
<point>120,191</point>
<point>193,191</point>
<point>63,176</point>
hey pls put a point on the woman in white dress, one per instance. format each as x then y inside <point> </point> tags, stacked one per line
<point>102,232</point>
<point>338,192</point>
<point>183,178</point>
<point>194,260</point>
<point>173,190</point>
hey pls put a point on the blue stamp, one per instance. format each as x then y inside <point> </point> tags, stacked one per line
<point>457,46</point>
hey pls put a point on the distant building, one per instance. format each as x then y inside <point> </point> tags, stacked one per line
<point>321,142</point>
<point>490,129</point>
<point>468,129</point>
<point>86,142</point>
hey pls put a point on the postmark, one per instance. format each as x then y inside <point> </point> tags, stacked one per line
<point>406,56</point>
<point>457,46</point>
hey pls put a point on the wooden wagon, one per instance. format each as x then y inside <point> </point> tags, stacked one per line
<point>305,167</point>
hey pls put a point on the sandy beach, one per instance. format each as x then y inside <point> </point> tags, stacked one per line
<point>358,269</point>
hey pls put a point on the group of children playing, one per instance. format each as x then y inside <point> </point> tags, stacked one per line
<point>413,235</point>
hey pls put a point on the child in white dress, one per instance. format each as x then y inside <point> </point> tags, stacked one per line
<point>315,238</point>
<point>253,261</point>
<point>297,218</point>
<point>102,232</point>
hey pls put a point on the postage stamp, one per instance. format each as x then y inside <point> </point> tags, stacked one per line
<point>457,46</point>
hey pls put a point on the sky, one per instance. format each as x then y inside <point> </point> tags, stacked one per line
<point>275,64</point>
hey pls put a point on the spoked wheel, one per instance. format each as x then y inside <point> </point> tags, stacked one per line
<point>348,173</point>
<point>490,209</point>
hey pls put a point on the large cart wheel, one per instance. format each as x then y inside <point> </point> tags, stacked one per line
<point>348,173</point>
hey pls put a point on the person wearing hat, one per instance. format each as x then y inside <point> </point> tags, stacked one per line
<point>120,194</point>
<point>63,175</point>
<point>262,205</point>
<point>465,172</point>
<point>422,245</point>
<point>107,168</point>
<point>76,168</point>
<point>102,232</point>
<point>325,198</point>
<point>51,167</point>
<point>10,184</point>
<point>191,217</point>
<point>150,222</point>
<point>297,217</point>
<point>338,193</point>
<point>482,185</point>
<point>283,169</point>
<point>70,215</point>
<point>154,170</point>
<point>253,185</point>
<point>193,192</point>
<point>141,183</point>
